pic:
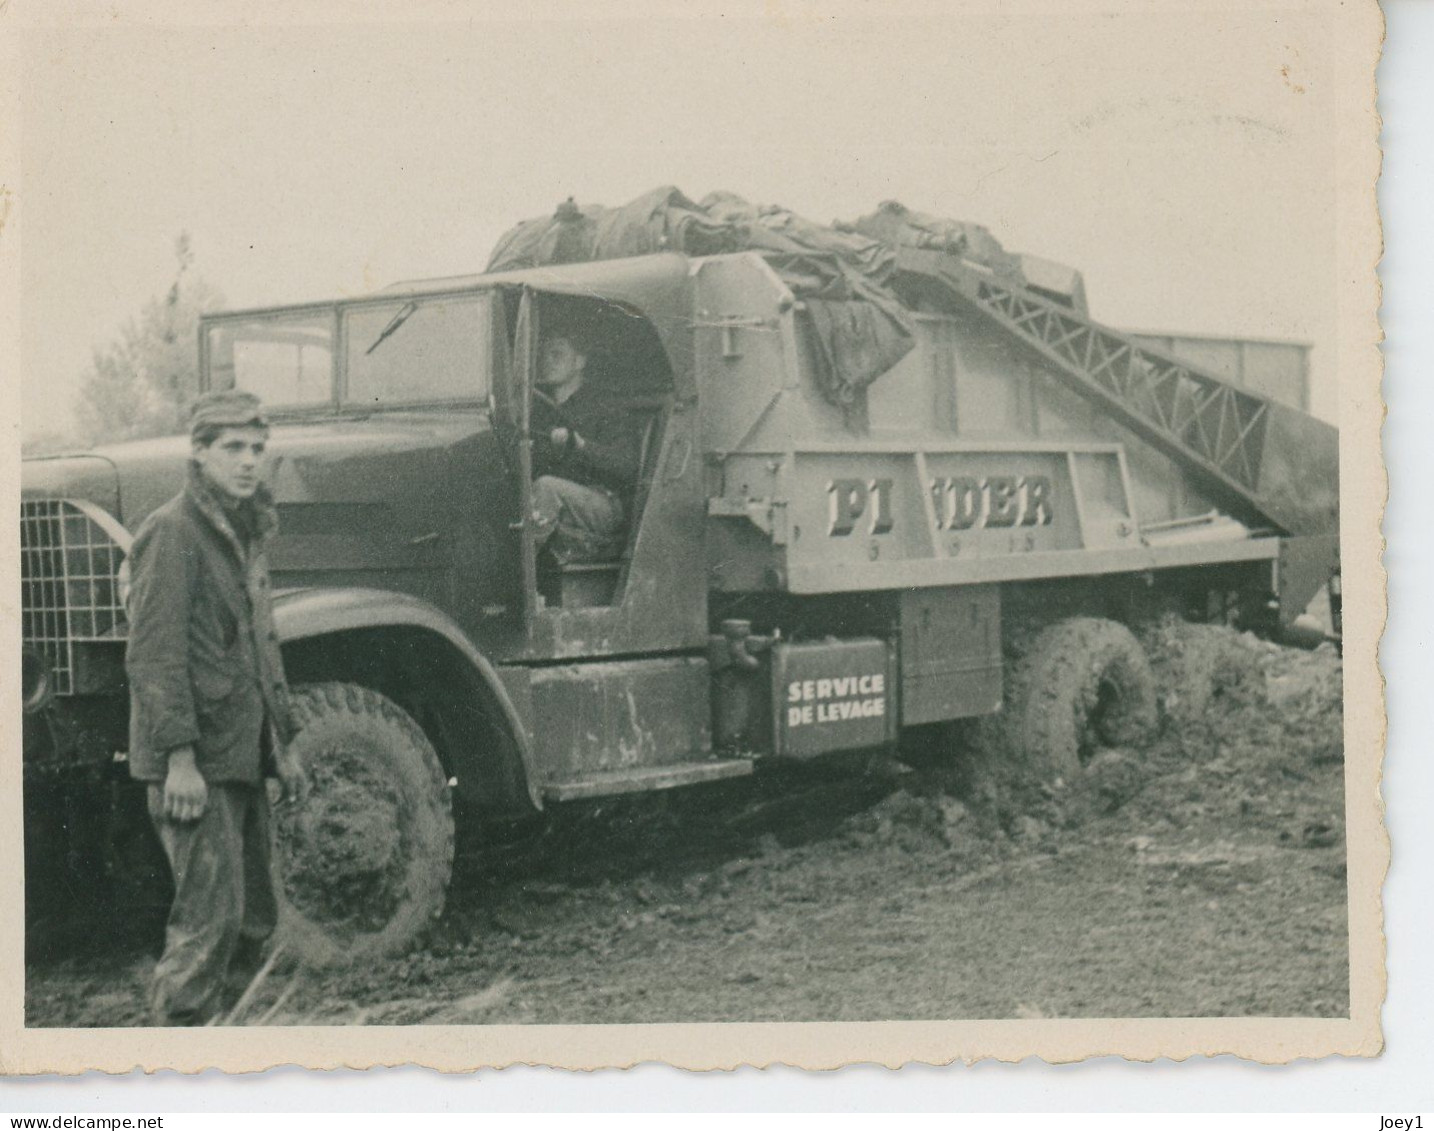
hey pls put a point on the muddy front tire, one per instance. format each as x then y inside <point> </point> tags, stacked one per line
<point>1083,685</point>
<point>363,865</point>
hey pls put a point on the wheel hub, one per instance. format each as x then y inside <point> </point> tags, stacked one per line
<point>343,861</point>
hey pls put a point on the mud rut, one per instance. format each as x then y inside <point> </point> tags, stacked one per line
<point>1203,875</point>
<point>680,833</point>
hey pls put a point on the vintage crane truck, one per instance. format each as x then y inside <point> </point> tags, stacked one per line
<point>805,570</point>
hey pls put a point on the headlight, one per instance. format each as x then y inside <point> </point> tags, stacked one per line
<point>35,680</point>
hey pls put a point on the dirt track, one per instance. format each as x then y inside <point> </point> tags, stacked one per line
<point>1203,876</point>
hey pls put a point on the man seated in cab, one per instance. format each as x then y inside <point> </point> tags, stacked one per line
<point>586,469</point>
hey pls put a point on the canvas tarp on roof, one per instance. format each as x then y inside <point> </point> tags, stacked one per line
<point>894,225</point>
<point>858,327</point>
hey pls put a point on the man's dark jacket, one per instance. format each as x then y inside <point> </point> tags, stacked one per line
<point>203,659</point>
<point>612,441</point>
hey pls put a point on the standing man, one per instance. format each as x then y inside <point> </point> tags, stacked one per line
<point>590,461</point>
<point>209,705</point>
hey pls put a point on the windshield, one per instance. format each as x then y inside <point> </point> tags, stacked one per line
<point>399,352</point>
<point>417,351</point>
<point>282,359</point>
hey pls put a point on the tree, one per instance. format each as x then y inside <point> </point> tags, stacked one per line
<point>140,384</point>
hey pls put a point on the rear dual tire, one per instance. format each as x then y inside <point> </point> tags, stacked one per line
<point>1084,684</point>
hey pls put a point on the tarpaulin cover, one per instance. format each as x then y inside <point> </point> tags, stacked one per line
<point>660,220</point>
<point>859,328</point>
<point>895,225</point>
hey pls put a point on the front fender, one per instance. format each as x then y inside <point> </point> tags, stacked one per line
<point>304,614</point>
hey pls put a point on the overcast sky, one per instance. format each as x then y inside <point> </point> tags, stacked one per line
<point>1184,166</point>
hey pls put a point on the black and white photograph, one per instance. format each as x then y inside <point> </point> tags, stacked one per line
<point>744,526</point>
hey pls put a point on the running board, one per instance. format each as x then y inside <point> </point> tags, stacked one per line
<point>644,778</point>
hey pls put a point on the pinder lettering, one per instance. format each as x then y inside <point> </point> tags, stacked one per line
<point>846,502</point>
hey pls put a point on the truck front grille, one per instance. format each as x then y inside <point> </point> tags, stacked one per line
<point>69,589</point>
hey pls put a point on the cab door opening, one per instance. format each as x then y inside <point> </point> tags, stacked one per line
<point>593,390</point>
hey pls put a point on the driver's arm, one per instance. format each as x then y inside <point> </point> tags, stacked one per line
<point>608,447</point>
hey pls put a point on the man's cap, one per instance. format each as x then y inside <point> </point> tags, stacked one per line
<point>226,408</point>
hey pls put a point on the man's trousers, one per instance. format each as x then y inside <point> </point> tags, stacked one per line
<point>577,521</point>
<point>223,893</point>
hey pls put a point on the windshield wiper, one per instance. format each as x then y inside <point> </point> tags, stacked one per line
<point>394,323</point>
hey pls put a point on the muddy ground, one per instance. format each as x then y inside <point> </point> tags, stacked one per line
<point>1203,875</point>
